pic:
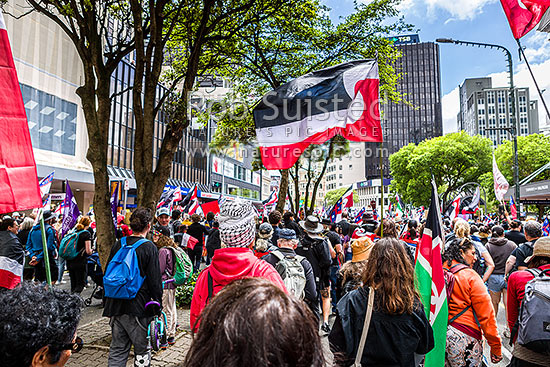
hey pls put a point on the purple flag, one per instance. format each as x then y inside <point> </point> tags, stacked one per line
<point>70,212</point>
<point>114,203</point>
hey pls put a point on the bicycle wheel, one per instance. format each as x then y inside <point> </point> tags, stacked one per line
<point>153,335</point>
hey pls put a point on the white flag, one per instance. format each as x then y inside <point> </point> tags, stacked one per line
<point>501,185</point>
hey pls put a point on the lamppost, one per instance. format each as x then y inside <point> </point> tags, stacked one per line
<point>512,129</point>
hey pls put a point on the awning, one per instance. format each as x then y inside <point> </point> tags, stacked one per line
<point>121,174</point>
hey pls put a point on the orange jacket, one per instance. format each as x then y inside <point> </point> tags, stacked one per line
<point>470,290</point>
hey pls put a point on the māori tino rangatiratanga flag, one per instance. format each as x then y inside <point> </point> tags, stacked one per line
<point>311,109</point>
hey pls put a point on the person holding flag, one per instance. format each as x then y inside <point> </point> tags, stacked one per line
<point>36,249</point>
<point>396,330</point>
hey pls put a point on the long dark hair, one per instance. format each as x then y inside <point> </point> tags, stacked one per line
<point>395,295</point>
<point>455,249</point>
<point>389,229</point>
<point>251,322</point>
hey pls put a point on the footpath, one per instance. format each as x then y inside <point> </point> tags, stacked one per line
<point>96,334</point>
<point>97,337</point>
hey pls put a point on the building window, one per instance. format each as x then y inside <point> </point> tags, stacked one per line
<point>51,120</point>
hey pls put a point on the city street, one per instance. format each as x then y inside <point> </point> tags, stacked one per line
<point>96,333</point>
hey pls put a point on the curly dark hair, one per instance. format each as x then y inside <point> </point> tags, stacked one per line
<point>455,249</point>
<point>32,317</point>
<point>252,322</point>
<point>140,218</point>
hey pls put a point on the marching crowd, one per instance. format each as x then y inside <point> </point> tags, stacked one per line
<point>269,289</point>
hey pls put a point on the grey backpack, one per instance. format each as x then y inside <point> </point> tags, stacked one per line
<point>534,314</point>
<point>291,270</point>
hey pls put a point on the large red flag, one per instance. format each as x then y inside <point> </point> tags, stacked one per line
<point>19,188</point>
<point>524,15</point>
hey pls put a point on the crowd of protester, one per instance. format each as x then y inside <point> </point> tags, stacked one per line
<point>268,285</point>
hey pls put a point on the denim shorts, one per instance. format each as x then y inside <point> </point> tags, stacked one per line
<point>496,283</point>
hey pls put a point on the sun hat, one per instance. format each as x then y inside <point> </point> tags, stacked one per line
<point>311,225</point>
<point>237,223</point>
<point>48,215</point>
<point>540,248</point>
<point>361,248</point>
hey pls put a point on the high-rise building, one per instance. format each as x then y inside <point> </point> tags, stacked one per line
<point>484,108</point>
<point>420,118</point>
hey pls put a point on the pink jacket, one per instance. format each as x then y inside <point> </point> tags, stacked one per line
<point>229,264</point>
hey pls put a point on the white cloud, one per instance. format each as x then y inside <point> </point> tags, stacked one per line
<point>522,78</point>
<point>450,105</point>
<point>460,9</point>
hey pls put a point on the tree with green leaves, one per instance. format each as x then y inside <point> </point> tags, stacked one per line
<point>314,162</point>
<point>304,39</point>
<point>533,153</point>
<point>453,160</point>
<point>198,36</point>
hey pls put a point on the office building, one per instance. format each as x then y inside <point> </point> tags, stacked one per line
<point>420,118</point>
<point>485,110</point>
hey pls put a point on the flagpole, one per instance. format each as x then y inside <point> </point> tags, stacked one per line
<point>381,190</point>
<point>534,80</point>
<point>45,248</point>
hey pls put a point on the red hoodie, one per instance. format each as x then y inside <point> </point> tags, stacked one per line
<point>229,264</point>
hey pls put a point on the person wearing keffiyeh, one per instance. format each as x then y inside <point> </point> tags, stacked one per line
<point>235,259</point>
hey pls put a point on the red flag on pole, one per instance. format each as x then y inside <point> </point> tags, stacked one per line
<point>19,188</point>
<point>524,15</point>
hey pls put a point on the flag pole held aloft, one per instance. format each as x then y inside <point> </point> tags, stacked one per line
<point>45,248</point>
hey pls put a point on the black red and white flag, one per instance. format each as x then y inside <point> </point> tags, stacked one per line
<point>190,203</point>
<point>311,109</point>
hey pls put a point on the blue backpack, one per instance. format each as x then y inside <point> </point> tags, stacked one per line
<point>122,278</point>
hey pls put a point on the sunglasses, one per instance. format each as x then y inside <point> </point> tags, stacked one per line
<point>73,347</point>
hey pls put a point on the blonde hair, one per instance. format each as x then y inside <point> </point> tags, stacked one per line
<point>83,222</point>
<point>462,228</point>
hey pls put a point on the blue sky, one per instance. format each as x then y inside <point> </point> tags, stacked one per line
<point>471,20</point>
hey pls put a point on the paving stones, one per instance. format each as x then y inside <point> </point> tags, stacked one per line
<point>97,337</point>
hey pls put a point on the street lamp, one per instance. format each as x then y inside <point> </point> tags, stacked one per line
<point>512,129</point>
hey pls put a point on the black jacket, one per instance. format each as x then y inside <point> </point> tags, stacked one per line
<point>11,247</point>
<point>392,340</point>
<point>316,252</point>
<point>197,230</point>
<point>294,226</point>
<point>214,242</point>
<point>148,261</point>
<point>310,290</point>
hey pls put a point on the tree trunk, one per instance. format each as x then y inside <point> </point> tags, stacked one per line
<point>97,123</point>
<point>283,188</point>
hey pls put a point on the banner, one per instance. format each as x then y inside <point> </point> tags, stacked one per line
<point>501,185</point>
<point>70,211</point>
<point>19,188</point>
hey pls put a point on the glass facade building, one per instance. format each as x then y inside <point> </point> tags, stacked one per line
<point>419,120</point>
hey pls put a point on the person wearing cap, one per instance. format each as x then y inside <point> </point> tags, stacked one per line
<point>539,261</point>
<point>287,242</point>
<point>351,274</point>
<point>36,252</point>
<point>163,217</point>
<point>235,260</point>
<point>317,250</point>
<point>263,244</point>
